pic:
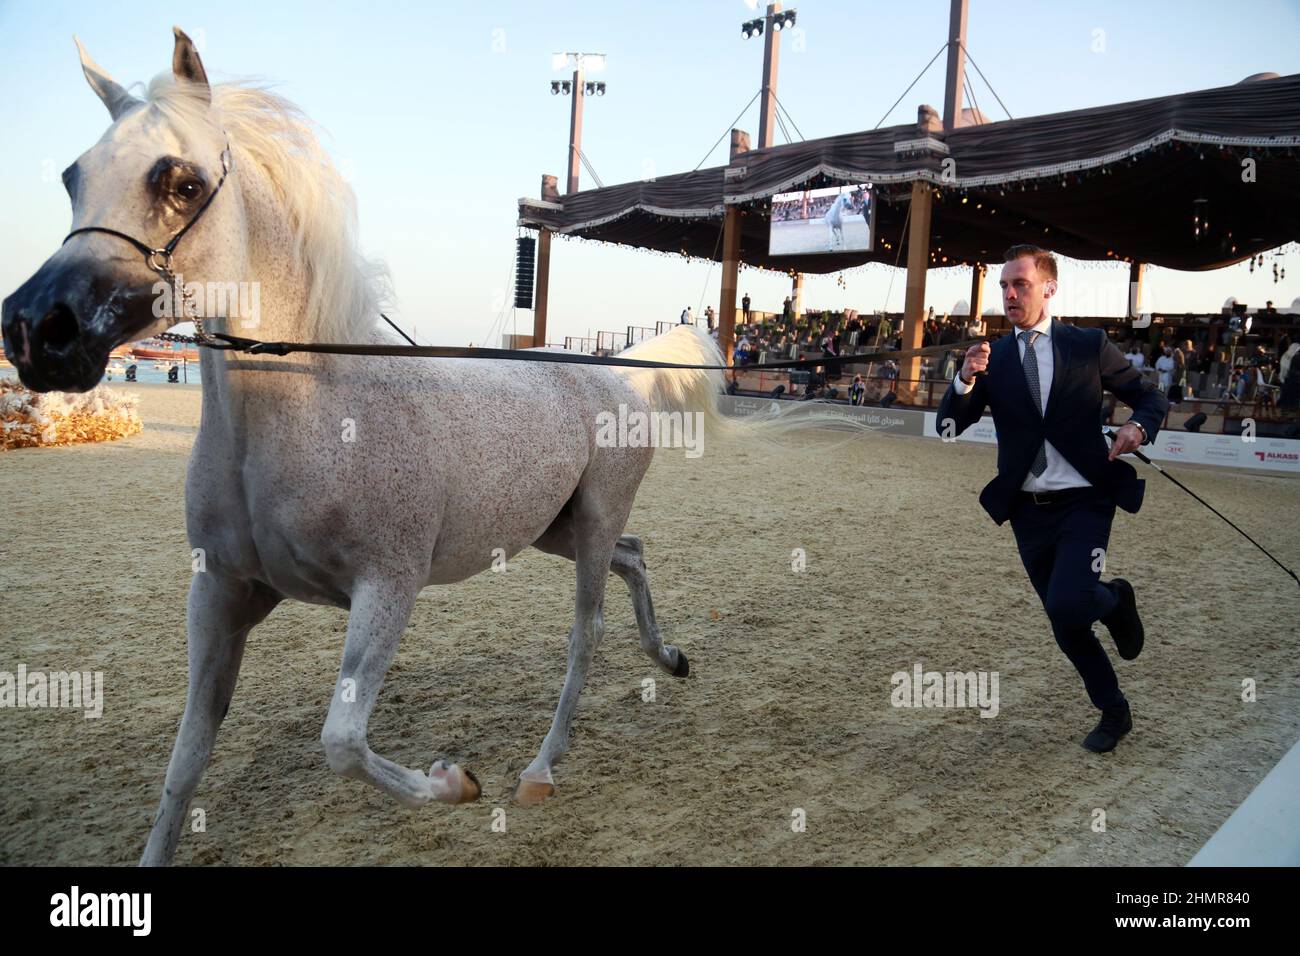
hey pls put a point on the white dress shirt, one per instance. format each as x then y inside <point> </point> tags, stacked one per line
<point>1059,472</point>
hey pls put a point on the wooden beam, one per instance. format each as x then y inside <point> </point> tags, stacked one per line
<point>918,261</point>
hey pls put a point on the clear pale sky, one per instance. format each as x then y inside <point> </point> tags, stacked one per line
<point>441,116</point>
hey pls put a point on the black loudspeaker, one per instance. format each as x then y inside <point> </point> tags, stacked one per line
<point>1194,423</point>
<point>130,373</point>
<point>889,400</point>
<point>173,374</point>
<point>777,392</point>
<point>525,268</point>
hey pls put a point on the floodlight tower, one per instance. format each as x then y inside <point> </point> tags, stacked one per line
<point>769,27</point>
<point>579,88</point>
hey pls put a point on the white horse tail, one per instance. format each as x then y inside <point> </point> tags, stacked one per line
<point>699,390</point>
<point>679,390</point>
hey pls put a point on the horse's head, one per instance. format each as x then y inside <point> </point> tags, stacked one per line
<point>150,175</point>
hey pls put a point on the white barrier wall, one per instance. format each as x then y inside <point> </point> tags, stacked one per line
<point>1227,451</point>
<point>1230,451</point>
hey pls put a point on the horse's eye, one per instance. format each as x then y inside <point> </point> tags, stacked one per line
<point>189,189</point>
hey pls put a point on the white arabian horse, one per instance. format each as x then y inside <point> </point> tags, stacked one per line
<point>339,480</point>
<point>835,219</point>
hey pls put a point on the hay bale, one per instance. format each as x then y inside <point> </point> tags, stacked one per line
<point>31,419</point>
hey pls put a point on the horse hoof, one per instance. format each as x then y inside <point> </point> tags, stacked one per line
<point>470,788</point>
<point>529,793</point>
<point>451,784</point>
<point>683,667</point>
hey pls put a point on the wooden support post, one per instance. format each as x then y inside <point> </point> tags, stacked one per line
<point>542,278</point>
<point>976,291</point>
<point>541,286</point>
<point>730,281</point>
<point>918,261</point>
<point>796,294</point>
<point>730,260</point>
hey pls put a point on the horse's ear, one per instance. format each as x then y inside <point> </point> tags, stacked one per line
<point>187,65</point>
<point>117,99</point>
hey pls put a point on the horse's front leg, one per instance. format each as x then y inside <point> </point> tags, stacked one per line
<point>376,620</point>
<point>219,615</point>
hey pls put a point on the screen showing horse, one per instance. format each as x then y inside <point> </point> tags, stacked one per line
<point>835,219</point>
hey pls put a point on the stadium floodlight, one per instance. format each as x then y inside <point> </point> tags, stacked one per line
<point>555,87</point>
<point>752,28</point>
<point>588,62</point>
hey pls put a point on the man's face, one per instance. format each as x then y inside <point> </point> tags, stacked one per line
<point>1025,291</point>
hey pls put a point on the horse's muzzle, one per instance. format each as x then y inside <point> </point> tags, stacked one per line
<point>61,324</point>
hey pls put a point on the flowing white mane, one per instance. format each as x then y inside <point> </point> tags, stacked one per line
<point>345,291</point>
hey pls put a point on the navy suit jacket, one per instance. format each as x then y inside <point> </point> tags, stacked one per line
<point>1086,362</point>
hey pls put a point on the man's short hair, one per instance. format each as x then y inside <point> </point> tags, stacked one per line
<point>1044,260</point>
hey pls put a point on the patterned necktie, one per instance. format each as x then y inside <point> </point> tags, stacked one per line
<point>1031,376</point>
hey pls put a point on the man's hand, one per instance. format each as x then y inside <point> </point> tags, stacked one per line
<point>1126,440</point>
<point>977,360</point>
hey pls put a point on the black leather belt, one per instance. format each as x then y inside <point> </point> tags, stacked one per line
<point>1053,497</point>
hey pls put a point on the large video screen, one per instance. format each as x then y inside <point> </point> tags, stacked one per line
<point>835,219</point>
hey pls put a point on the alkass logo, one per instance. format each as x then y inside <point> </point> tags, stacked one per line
<point>1288,457</point>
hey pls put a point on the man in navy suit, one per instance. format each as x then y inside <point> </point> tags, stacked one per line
<point>1057,481</point>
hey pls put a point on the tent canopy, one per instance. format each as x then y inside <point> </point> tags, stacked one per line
<point>1122,182</point>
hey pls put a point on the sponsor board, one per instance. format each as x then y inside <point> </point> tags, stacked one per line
<point>1262,454</point>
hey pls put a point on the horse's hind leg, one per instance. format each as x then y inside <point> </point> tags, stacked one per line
<point>629,564</point>
<point>595,529</point>
<point>376,619</point>
<point>219,614</point>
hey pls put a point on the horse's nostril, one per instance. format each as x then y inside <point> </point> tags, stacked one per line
<point>58,327</point>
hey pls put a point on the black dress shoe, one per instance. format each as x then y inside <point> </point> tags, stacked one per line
<point>1124,623</point>
<point>1114,725</point>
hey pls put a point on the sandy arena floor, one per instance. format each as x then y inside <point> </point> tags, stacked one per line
<point>787,705</point>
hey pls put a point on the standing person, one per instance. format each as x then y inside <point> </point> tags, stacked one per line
<point>787,310</point>
<point>744,306</point>
<point>858,391</point>
<point>1165,369</point>
<point>1056,481</point>
<point>708,317</point>
<point>687,318</point>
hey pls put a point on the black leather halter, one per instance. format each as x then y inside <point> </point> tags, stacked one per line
<point>160,260</point>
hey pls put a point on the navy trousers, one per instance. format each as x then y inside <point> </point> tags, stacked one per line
<point>1059,545</point>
